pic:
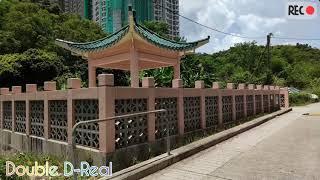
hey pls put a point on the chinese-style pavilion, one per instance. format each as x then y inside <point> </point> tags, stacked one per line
<point>132,48</point>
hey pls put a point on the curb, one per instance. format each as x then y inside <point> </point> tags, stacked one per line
<point>158,163</point>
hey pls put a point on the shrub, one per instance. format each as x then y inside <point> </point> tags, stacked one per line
<point>300,99</point>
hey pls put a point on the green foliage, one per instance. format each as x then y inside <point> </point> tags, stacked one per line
<point>299,99</point>
<point>163,76</point>
<point>160,28</point>
<point>27,35</point>
<point>32,66</point>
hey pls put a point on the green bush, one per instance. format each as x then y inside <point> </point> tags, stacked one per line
<point>300,99</point>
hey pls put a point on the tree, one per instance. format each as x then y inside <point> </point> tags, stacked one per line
<point>26,26</point>
<point>161,28</point>
<point>32,66</point>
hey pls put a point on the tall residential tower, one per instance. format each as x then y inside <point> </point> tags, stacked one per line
<point>80,7</point>
<point>113,14</point>
<point>168,11</point>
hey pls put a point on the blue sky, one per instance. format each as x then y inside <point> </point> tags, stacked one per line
<point>244,17</point>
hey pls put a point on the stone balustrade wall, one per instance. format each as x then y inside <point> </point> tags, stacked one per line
<point>50,114</point>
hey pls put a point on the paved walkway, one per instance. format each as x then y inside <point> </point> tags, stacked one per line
<point>287,147</point>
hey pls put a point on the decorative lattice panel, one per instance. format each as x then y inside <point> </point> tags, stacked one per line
<point>266,103</point>
<point>212,110</point>
<point>58,118</point>
<point>37,118</point>
<point>250,106</point>
<point>227,109</point>
<point>87,134</point>
<point>7,115</point>
<point>272,107</point>
<point>192,114</point>
<point>258,104</point>
<point>277,105</point>
<point>20,113</point>
<point>239,107</point>
<point>282,101</point>
<point>164,119</point>
<point>133,130</point>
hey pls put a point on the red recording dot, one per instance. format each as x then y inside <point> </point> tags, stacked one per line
<point>310,10</point>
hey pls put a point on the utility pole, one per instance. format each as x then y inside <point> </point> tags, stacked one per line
<point>269,56</point>
<point>268,46</point>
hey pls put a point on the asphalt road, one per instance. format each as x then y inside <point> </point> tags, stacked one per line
<point>285,148</point>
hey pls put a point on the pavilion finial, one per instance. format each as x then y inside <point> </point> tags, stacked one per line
<point>130,8</point>
<point>131,18</point>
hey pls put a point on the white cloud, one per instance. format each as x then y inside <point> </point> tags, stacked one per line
<point>244,17</point>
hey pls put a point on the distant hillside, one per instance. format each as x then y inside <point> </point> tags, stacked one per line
<point>291,65</point>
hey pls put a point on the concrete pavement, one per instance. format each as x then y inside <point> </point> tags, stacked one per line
<point>287,147</point>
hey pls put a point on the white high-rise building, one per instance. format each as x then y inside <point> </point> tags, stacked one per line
<point>168,11</point>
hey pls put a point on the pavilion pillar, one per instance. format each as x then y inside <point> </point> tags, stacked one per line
<point>134,68</point>
<point>92,76</point>
<point>177,70</point>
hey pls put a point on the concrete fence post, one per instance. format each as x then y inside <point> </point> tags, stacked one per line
<point>251,89</point>
<point>30,89</point>
<point>28,120</point>
<point>284,91</point>
<point>216,86</point>
<point>260,93</point>
<point>272,97</point>
<point>230,86</point>
<point>3,91</point>
<point>13,115</point>
<point>14,90</point>
<point>47,86</point>
<point>243,88</point>
<point>178,84</point>
<point>148,83</point>
<point>106,109</point>
<point>200,85</point>
<point>72,83</point>
<point>277,101</point>
<point>266,89</point>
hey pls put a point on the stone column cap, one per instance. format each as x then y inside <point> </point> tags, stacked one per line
<point>50,86</point>
<point>31,88</point>
<point>230,85</point>
<point>106,80</point>
<point>177,83</point>
<point>199,85</point>
<point>74,83</point>
<point>148,82</point>
<point>215,85</point>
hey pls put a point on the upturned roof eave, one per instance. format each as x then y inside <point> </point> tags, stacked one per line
<point>130,30</point>
<point>81,48</point>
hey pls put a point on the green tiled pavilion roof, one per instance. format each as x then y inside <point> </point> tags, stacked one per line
<point>143,32</point>
<point>168,44</point>
<point>94,45</point>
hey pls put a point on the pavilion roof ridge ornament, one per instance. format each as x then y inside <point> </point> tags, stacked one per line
<point>135,29</point>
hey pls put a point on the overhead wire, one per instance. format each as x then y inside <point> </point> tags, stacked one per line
<point>208,27</point>
<point>233,34</point>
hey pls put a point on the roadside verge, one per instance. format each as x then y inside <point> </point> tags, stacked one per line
<point>160,162</point>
